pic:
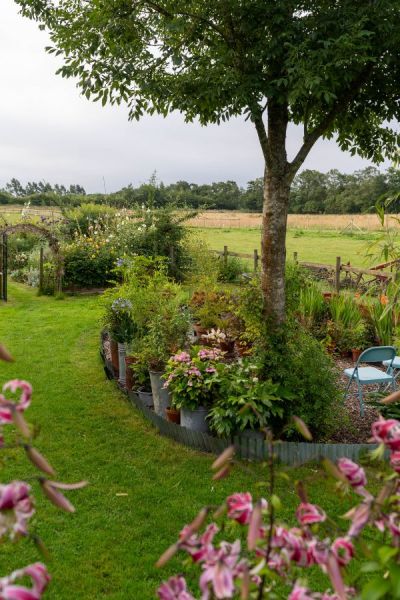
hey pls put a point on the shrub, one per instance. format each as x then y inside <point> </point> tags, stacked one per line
<point>88,263</point>
<point>80,220</point>
<point>231,270</point>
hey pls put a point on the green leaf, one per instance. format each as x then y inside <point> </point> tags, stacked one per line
<point>375,589</point>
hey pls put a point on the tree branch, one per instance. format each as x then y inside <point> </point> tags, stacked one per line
<point>262,134</point>
<point>340,106</point>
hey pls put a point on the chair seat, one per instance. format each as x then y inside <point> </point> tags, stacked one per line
<point>369,375</point>
<point>395,363</point>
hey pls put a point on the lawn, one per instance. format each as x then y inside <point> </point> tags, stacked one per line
<point>142,487</point>
<point>311,246</point>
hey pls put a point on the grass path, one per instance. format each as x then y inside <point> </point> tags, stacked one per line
<point>142,486</point>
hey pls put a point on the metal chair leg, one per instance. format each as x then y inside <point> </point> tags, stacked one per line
<point>360,396</point>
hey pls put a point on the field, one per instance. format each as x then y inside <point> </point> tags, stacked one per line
<point>340,223</point>
<point>311,246</point>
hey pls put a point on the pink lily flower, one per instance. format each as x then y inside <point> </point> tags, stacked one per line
<point>16,507</point>
<point>40,579</point>
<point>307,514</point>
<point>219,571</point>
<point>174,589</point>
<point>354,474</point>
<point>201,547</point>
<point>359,516</point>
<point>240,507</point>
<point>388,432</point>
<point>343,550</point>
<point>24,401</point>
<point>395,461</point>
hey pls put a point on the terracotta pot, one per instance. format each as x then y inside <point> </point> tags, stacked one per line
<point>114,357</point>
<point>130,376</point>
<point>327,295</point>
<point>173,415</point>
<point>355,354</point>
<point>345,353</point>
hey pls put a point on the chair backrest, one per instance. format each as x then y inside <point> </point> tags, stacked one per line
<point>377,354</point>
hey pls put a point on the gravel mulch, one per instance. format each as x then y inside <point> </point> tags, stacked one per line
<point>354,428</point>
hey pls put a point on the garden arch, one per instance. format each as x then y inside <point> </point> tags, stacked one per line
<point>42,232</point>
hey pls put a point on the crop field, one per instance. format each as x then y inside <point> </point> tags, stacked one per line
<point>343,223</point>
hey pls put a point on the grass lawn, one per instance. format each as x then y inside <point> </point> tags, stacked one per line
<point>143,487</point>
<point>311,246</point>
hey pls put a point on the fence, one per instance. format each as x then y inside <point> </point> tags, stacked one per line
<point>355,276</point>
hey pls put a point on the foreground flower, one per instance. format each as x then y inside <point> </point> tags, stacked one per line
<point>220,572</point>
<point>308,514</point>
<point>174,589</point>
<point>7,406</point>
<point>387,432</point>
<point>240,507</point>
<point>16,507</point>
<point>343,550</point>
<point>354,474</point>
<point>40,580</point>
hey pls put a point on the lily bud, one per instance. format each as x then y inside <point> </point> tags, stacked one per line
<point>39,460</point>
<point>223,458</point>
<point>56,497</point>
<point>167,555</point>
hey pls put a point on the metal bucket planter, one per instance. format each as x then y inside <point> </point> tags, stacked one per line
<point>121,363</point>
<point>146,398</point>
<point>114,357</point>
<point>161,396</point>
<point>195,419</point>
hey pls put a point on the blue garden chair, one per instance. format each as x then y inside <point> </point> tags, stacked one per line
<point>368,375</point>
<point>393,367</point>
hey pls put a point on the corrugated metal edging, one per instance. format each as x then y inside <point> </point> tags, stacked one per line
<point>248,447</point>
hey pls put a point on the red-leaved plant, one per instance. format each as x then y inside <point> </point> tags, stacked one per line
<point>275,555</point>
<point>16,500</point>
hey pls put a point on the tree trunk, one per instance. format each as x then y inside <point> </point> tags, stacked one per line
<point>273,245</point>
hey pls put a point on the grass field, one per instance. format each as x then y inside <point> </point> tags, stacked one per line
<point>311,246</point>
<point>142,487</point>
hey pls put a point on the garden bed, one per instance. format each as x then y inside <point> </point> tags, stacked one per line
<point>247,447</point>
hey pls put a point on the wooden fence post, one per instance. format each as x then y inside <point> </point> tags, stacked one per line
<point>225,255</point>
<point>256,258</point>
<point>41,270</point>
<point>295,257</point>
<point>337,274</point>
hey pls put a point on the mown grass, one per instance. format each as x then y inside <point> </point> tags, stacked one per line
<point>311,246</point>
<point>143,487</point>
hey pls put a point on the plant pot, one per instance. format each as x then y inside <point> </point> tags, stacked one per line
<point>161,396</point>
<point>146,398</point>
<point>114,357</point>
<point>327,295</point>
<point>344,353</point>
<point>173,415</point>
<point>121,363</point>
<point>355,354</point>
<point>130,377</point>
<point>195,419</point>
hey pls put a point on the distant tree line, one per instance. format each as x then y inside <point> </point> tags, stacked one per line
<point>312,192</point>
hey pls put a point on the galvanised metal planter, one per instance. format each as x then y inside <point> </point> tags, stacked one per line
<point>161,396</point>
<point>146,398</point>
<point>121,363</point>
<point>195,419</point>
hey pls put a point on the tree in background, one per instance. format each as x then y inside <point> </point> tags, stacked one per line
<point>331,66</point>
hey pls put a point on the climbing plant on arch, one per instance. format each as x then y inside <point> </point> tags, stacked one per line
<point>42,232</point>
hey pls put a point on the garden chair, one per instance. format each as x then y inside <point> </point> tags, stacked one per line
<point>393,366</point>
<point>368,375</point>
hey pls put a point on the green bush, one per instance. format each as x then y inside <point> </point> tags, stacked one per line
<point>293,358</point>
<point>230,271</point>
<point>80,220</point>
<point>88,267</point>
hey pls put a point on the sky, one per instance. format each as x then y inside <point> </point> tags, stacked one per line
<point>48,131</point>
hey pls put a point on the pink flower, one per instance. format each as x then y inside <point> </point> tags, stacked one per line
<point>220,571</point>
<point>182,357</point>
<point>343,550</point>
<point>40,580</point>
<point>388,432</point>
<point>395,461</point>
<point>240,507</point>
<point>293,546</point>
<point>394,524</point>
<point>354,474</point>
<point>359,516</point>
<point>307,514</point>
<point>21,406</point>
<point>301,593</point>
<point>16,507</point>
<point>198,547</point>
<point>174,589</point>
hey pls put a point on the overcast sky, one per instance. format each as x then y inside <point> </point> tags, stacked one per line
<point>48,131</point>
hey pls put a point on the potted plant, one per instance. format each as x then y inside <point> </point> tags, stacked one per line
<point>245,404</point>
<point>193,381</point>
<point>118,319</point>
<point>173,415</point>
<point>142,379</point>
